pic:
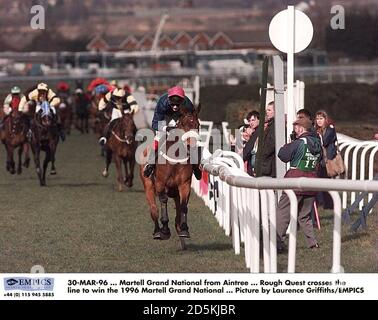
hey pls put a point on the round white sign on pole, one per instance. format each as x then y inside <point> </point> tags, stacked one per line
<point>303,31</point>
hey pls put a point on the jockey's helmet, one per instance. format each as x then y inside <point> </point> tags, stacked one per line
<point>63,86</point>
<point>43,87</point>
<point>176,96</point>
<point>118,93</point>
<point>101,89</point>
<point>176,91</point>
<point>15,90</point>
<point>79,91</point>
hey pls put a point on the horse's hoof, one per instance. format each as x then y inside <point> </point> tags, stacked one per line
<point>165,235</point>
<point>157,235</point>
<point>27,163</point>
<point>53,172</point>
<point>19,171</point>
<point>183,231</point>
<point>43,183</point>
<point>105,173</point>
<point>184,234</point>
<point>120,188</point>
<point>12,171</point>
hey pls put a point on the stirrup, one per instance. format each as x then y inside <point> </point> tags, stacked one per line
<point>102,141</point>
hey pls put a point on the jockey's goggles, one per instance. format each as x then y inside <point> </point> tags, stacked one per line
<point>175,102</point>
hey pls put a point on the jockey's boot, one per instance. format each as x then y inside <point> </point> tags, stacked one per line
<point>108,130</point>
<point>151,164</point>
<point>196,167</point>
<point>197,171</point>
<point>148,170</point>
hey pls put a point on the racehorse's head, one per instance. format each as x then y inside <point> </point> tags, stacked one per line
<point>189,123</point>
<point>128,128</point>
<point>45,114</point>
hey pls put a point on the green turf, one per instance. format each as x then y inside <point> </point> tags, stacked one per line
<point>79,223</point>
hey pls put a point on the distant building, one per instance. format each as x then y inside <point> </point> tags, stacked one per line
<point>183,41</point>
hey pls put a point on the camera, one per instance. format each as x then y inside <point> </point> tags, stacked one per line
<point>293,136</point>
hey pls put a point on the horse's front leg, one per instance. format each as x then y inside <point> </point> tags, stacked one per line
<point>108,160</point>
<point>151,200</point>
<point>131,175</point>
<point>10,160</point>
<point>45,164</point>
<point>86,122</point>
<point>118,163</point>
<point>19,164</point>
<point>165,232</point>
<point>36,155</point>
<point>184,191</point>
<point>126,171</point>
<point>52,158</point>
<point>26,151</point>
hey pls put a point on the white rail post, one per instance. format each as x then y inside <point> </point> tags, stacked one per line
<point>336,260</point>
<point>265,230</point>
<point>273,230</point>
<point>292,230</point>
<point>255,233</point>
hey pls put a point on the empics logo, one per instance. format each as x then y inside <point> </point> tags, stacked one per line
<point>29,284</point>
<point>11,282</point>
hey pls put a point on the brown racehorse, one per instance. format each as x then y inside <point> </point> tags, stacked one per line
<point>45,137</point>
<point>82,104</point>
<point>172,180</point>
<point>121,146</point>
<point>14,135</point>
<point>66,115</point>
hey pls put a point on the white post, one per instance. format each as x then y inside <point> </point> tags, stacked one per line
<point>290,70</point>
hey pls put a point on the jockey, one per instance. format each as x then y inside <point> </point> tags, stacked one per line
<point>41,94</point>
<point>11,102</point>
<point>63,90</point>
<point>120,102</point>
<point>99,94</point>
<point>168,111</point>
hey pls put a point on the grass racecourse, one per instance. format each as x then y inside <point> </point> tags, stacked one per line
<point>80,223</point>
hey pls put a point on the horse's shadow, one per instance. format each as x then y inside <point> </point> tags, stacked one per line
<point>354,236</point>
<point>77,185</point>
<point>209,247</point>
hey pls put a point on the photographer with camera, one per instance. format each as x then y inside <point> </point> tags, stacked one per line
<point>304,155</point>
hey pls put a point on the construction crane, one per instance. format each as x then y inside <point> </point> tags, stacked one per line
<point>155,44</point>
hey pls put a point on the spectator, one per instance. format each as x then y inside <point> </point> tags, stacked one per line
<point>327,133</point>
<point>304,113</point>
<point>250,148</point>
<point>238,141</point>
<point>268,161</point>
<point>251,123</point>
<point>304,154</point>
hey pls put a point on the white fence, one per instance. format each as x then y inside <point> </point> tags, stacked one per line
<point>359,158</point>
<point>237,199</point>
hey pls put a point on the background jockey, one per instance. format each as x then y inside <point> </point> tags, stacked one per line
<point>11,102</point>
<point>39,95</point>
<point>120,102</point>
<point>167,112</point>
